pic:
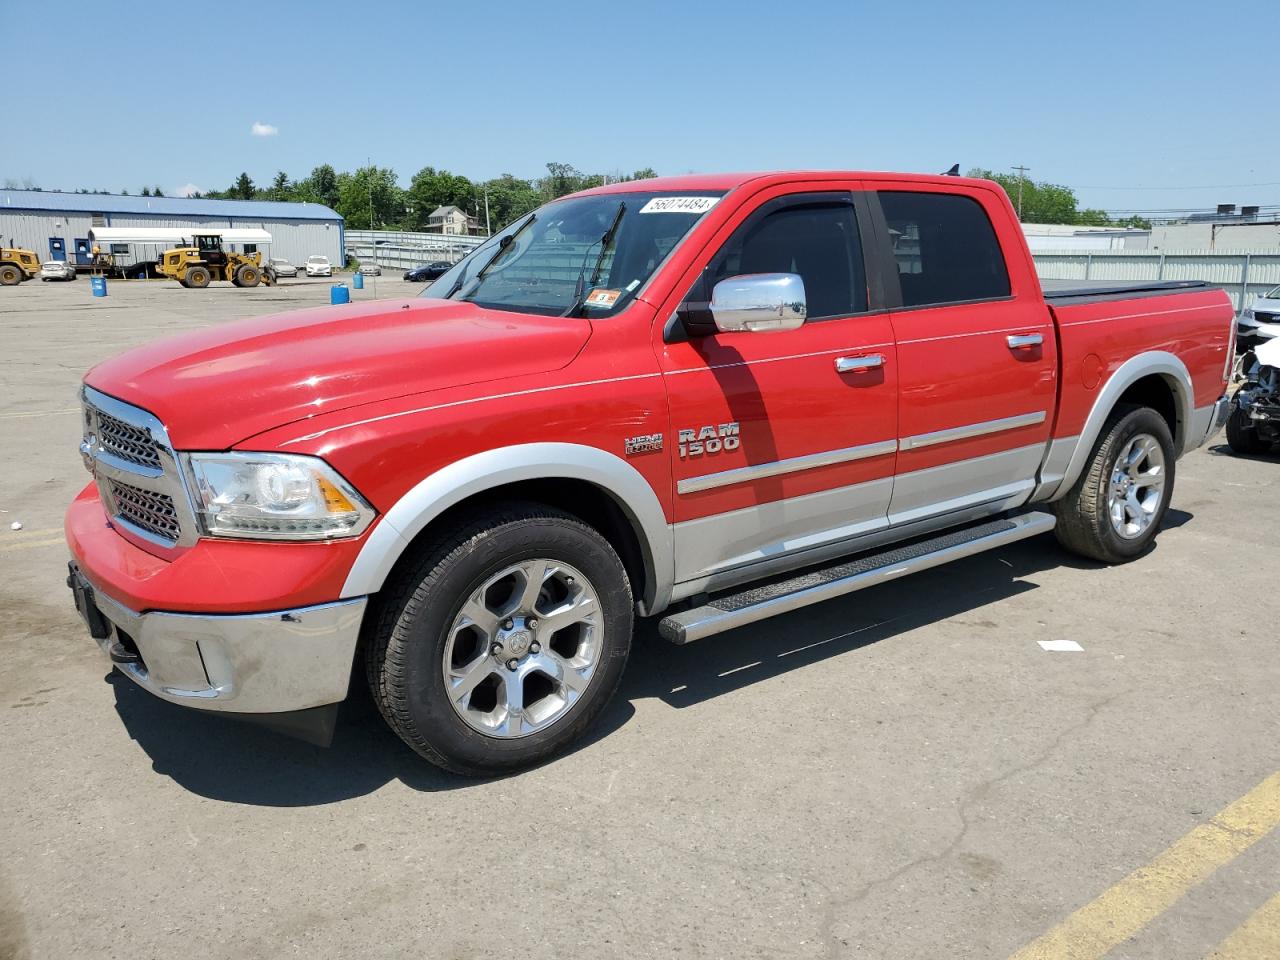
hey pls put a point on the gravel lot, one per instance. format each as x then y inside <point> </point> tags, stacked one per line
<point>901,774</point>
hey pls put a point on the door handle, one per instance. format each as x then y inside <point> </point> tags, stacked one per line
<point>854,364</point>
<point>1023,340</point>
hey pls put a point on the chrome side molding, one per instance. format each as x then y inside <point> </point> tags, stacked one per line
<point>972,430</point>
<point>778,467</point>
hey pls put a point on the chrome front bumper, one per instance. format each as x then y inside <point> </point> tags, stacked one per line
<point>247,663</point>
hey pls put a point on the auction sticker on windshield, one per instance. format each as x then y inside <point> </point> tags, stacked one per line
<point>679,204</point>
<point>603,298</point>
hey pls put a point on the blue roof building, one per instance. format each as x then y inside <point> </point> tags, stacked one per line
<point>56,225</point>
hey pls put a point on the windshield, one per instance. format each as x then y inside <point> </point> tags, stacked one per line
<point>537,271</point>
<point>1272,294</point>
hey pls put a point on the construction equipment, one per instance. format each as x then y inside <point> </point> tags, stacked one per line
<point>205,261</point>
<point>16,265</point>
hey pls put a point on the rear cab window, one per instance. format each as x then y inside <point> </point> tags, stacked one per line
<point>945,248</point>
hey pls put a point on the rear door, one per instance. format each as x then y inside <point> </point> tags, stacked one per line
<point>782,442</point>
<point>977,356</point>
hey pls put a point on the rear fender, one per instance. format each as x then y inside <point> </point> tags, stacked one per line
<point>1159,362</point>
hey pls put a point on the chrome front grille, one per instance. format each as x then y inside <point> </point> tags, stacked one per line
<point>127,441</point>
<point>154,512</point>
<point>139,478</point>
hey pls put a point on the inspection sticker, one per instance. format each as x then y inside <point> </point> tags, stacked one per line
<point>680,205</point>
<point>603,298</point>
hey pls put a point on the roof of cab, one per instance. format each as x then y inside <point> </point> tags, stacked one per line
<point>727,181</point>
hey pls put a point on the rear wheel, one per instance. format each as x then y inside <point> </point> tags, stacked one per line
<point>1242,436</point>
<point>10,276</point>
<point>504,643</point>
<point>198,277</point>
<point>1112,513</point>
<point>247,275</point>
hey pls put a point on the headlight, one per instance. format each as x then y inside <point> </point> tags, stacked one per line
<point>1248,313</point>
<point>274,496</point>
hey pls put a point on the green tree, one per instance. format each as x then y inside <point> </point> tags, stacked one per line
<point>357,190</point>
<point>281,188</point>
<point>1042,202</point>
<point>561,179</point>
<point>157,192</point>
<point>242,189</point>
<point>644,173</point>
<point>320,187</point>
<point>509,199</point>
<point>431,188</point>
<point>146,192</point>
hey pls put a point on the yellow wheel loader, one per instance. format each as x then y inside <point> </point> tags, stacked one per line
<point>16,265</point>
<point>199,265</point>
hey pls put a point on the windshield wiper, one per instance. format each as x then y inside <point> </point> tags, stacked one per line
<point>502,246</point>
<point>580,288</point>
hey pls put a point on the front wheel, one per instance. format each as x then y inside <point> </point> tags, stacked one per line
<point>506,640</point>
<point>1115,508</point>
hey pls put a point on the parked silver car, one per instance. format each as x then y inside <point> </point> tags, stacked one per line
<point>57,270</point>
<point>283,267</point>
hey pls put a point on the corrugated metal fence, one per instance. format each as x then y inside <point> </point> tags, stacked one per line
<point>395,249</point>
<point>1242,274</point>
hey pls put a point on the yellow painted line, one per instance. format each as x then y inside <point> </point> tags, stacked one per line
<point>38,413</point>
<point>29,544</point>
<point>1257,937</point>
<point>1149,891</point>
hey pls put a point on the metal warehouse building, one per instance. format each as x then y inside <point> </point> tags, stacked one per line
<point>57,225</point>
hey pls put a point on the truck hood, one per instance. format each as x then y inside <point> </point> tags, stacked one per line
<point>215,387</point>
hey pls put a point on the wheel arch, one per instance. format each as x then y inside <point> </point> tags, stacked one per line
<point>599,487</point>
<point>1156,379</point>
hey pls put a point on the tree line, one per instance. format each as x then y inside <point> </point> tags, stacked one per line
<point>372,196</point>
<point>1044,202</point>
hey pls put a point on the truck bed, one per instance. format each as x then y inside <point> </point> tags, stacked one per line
<point>1071,292</point>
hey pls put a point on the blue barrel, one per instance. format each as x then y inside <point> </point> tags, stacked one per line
<point>357,281</point>
<point>338,293</point>
<point>98,285</point>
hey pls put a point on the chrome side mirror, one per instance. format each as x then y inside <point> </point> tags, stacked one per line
<point>759,303</point>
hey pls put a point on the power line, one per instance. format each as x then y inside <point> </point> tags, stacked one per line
<point>1201,186</point>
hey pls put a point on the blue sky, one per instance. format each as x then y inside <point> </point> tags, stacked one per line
<point>1152,98</point>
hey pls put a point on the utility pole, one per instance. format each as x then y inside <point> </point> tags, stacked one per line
<point>1022,176</point>
<point>487,231</point>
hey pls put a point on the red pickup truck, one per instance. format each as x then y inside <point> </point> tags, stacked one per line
<point>708,398</point>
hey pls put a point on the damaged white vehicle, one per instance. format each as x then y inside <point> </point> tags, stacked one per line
<point>1254,423</point>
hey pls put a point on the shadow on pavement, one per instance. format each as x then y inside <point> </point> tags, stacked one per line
<point>227,760</point>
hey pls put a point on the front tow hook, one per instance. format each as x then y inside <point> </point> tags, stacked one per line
<point>121,654</point>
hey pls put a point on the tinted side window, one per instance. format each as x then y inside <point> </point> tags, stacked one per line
<point>818,240</point>
<point>945,247</point>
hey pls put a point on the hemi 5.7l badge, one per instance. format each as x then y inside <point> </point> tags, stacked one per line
<point>709,439</point>
<point>646,443</point>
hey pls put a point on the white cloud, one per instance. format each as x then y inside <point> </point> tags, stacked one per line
<point>186,190</point>
<point>260,129</point>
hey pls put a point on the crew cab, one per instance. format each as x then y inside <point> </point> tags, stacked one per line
<point>710,399</point>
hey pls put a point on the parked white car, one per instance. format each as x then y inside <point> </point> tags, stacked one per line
<point>57,270</point>
<point>319,266</point>
<point>283,267</point>
<point>371,269</point>
<point>1260,321</point>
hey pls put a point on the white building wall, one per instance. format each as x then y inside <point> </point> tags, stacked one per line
<point>293,239</point>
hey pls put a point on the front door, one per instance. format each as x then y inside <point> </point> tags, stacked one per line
<point>57,248</point>
<point>977,357</point>
<point>782,443</point>
<point>84,253</point>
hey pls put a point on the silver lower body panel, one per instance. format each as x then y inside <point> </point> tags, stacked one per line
<point>275,662</point>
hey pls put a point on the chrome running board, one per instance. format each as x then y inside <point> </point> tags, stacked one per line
<point>729,611</point>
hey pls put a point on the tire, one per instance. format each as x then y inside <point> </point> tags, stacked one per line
<point>198,278</point>
<point>484,564</point>
<point>1242,436</point>
<point>1086,525</point>
<point>10,276</point>
<point>247,275</point>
